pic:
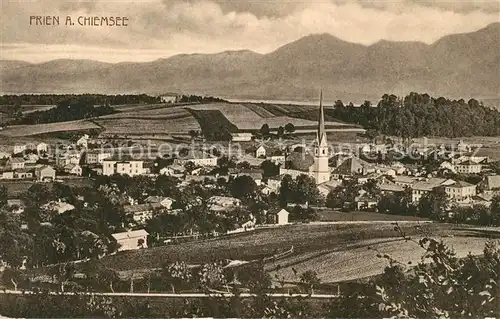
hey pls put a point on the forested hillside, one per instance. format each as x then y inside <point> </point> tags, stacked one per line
<point>419,115</point>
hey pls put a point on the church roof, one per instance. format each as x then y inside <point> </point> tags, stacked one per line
<point>321,122</point>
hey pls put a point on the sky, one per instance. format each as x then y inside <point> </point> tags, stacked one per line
<point>162,28</point>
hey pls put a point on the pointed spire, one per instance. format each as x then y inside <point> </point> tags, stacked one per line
<point>321,121</point>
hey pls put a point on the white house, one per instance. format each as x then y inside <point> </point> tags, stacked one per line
<point>20,148</point>
<point>468,167</point>
<point>45,173</point>
<point>461,191</point>
<point>279,217</point>
<point>260,152</point>
<point>31,158</point>
<point>73,169</point>
<point>16,163</point>
<point>127,167</point>
<point>241,137</point>
<point>135,239</point>
<point>198,158</point>
<point>42,147</point>
<point>83,141</point>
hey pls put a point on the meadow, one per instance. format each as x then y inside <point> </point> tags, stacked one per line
<point>307,239</point>
<point>29,130</point>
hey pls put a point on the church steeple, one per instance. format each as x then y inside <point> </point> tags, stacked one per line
<point>321,121</point>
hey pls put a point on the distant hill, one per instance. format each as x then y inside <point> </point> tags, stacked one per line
<point>460,65</point>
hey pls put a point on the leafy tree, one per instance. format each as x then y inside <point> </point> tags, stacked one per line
<point>176,275</point>
<point>338,104</point>
<point>13,276</point>
<point>427,289</point>
<point>243,187</point>
<point>311,279</point>
<point>495,210</point>
<point>16,243</point>
<point>3,196</point>
<point>281,131</point>
<point>434,204</point>
<point>290,128</point>
<point>264,130</point>
<point>269,168</point>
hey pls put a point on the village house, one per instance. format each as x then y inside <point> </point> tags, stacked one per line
<point>16,163</point>
<point>142,212</point>
<point>388,187</point>
<point>165,202</point>
<point>130,167</point>
<point>223,203</point>
<point>31,158</point>
<point>96,156</point>
<point>278,217</point>
<point>260,152</point>
<point>364,202</point>
<point>241,137</point>
<point>326,187</point>
<point>58,207</point>
<point>491,183</point>
<point>19,148</point>
<point>134,239</point>
<point>73,169</point>
<point>351,166</point>
<point>23,173</point>
<point>169,98</point>
<point>45,173</point>
<point>462,147</point>
<point>405,181</point>
<point>468,167</point>
<point>7,175</point>
<point>461,191</point>
<point>15,206</point>
<point>426,185</point>
<point>42,147</point>
<point>83,141</point>
<point>198,158</point>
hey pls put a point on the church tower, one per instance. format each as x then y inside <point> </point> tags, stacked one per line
<point>320,170</point>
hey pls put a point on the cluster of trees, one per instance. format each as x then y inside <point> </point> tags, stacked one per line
<point>50,237</point>
<point>199,99</point>
<point>422,115</point>
<point>67,110</point>
<point>344,195</point>
<point>214,125</point>
<point>93,99</point>
<point>301,190</point>
<point>265,130</point>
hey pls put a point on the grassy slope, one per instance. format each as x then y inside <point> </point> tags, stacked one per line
<point>261,243</point>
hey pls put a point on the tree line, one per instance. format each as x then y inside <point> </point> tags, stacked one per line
<point>418,115</point>
<point>67,110</point>
<point>94,99</point>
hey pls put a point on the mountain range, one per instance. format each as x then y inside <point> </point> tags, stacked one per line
<point>459,65</point>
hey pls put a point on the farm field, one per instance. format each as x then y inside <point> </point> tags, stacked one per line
<point>16,188</point>
<point>141,126</point>
<point>252,118</point>
<point>331,215</point>
<point>357,261</point>
<point>28,130</point>
<point>305,238</point>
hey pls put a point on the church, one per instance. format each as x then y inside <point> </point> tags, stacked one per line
<point>319,170</point>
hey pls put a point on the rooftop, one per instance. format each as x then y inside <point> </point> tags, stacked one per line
<point>130,234</point>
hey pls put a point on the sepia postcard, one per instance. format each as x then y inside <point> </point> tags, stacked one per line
<point>249,159</point>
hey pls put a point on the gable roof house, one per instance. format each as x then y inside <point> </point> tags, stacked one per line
<point>134,239</point>
<point>45,173</point>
